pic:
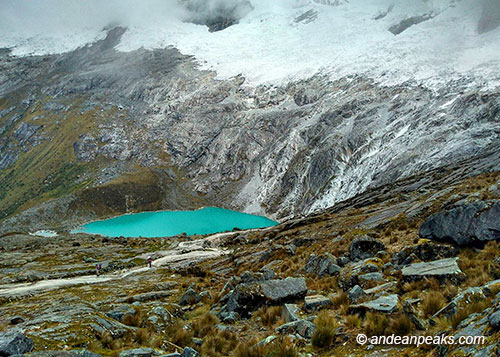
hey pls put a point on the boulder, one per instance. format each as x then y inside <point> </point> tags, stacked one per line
<point>425,250</point>
<point>439,269</point>
<point>356,293</point>
<point>370,277</point>
<point>289,289</point>
<point>465,225</point>
<point>189,352</point>
<point>494,320</point>
<point>302,327</point>
<point>289,313</point>
<point>14,342</point>
<point>118,312</point>
<point>16,320</point>
<point>364,247</point>
<point>74,353</point>
<point>249,297</point>
<point>138,352</point>
<point>316,302</point>
<point>386,304</point>
<point>189,297</point>
<point>322,265</point>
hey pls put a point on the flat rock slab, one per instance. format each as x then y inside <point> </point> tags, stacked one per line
<point>316,302</point>
<point>387,304</point>
<point>443,268</point>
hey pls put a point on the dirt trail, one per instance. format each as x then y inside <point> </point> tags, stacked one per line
<point>185,252</point>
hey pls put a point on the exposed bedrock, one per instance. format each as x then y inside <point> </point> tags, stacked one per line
<point>279,150</point>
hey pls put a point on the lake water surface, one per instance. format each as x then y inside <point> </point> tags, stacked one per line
<point>169,223</point>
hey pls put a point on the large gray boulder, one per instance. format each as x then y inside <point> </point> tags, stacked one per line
<point>322,265</point>
<point>249,297</point>
<point>439,269</point>
<point>364,247</point>
<point>14,342</point>
<point>467,224</point>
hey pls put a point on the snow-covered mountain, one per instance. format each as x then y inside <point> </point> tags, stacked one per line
<point>275,42</point>
<point>293,106</point>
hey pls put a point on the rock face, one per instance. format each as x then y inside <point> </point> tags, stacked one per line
<point>321,265</point>
<point>439,269</point>
<point>364,247</point>
<point>467,224</point>
<point>14,343</point>
<point>251,146</point>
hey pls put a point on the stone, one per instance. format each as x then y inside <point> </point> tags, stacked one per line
<point>189,297</point>
<point>369,277</point>
<point>465,225</point>
<point>13,342</point>
<point>203,296</point>
<point>425,250</point>
<point>386,304</point>
<point>249,297</point>
<point>138,352</point>
<point>16,320</point>
<point>369,268</point>
<point>290,249</point>
<point>316,302</point>
<point>321,265</point>
<point>189,352</point>
<point>380,288</point>
<point>302,327</point>
<point>494,320</point>
<point>118,312</point>
<point>364,247</point>
<point>439,269</point>
<point>229,317</point>
<point>343,261</point>
<point>356,293</point>
<point>289,313</point>
<point>283,290</point>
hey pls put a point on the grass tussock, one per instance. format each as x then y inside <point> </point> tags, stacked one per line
<point>475,305</point>
<point>353,321</point>
<point>270,316</point>
<point>340,302</point>
<point>375,324</point>
<point>219,343</point>
<point>248,348</point>
<point>204,325</point>
<point>326,328</point>
<point>400,325</point>
<point>432,302</point>
<point>281,347</point>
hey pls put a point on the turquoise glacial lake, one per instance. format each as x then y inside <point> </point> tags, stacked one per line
<point>170,223</point>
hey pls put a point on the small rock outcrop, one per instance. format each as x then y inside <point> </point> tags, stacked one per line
<point>467,224</point>
<point>14,343</point>
<point>364,247</point>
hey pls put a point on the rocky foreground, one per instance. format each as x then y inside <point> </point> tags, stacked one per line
<point>418,257</point>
